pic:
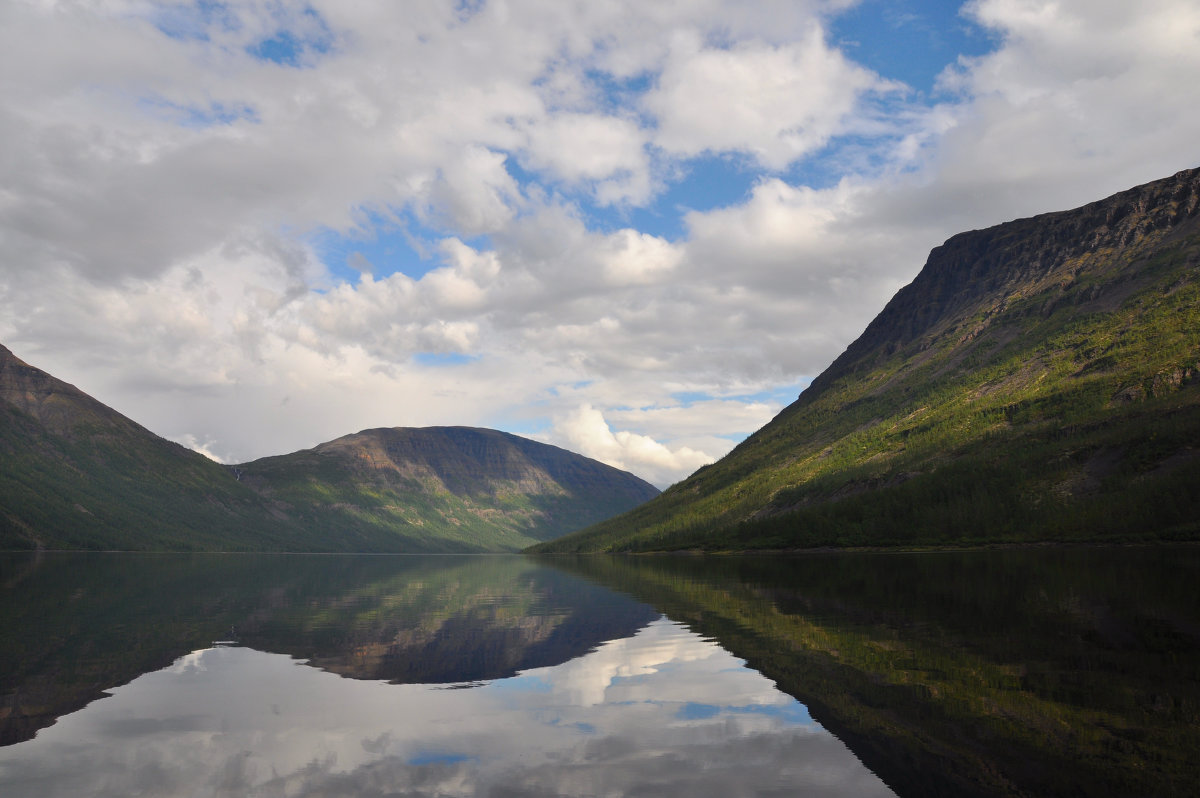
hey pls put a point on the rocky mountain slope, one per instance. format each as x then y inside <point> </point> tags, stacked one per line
<point>1038,380</point>
<point>75,473</point>
<point>447,488</point>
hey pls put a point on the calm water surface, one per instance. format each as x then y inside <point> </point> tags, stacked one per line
<point>1033,672</point>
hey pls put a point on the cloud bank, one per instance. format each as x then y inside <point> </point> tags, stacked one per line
<point>635,231</point>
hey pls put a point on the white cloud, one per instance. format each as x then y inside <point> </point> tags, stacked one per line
<point>1082,99</point>
<point>775,103</point>
<point>604,150</point>
<point>203,447</point>
<point>633,258</point>
<point>586,432</point>
<point>614,721</point>
<point>461,285</point>
<point>475,193</point>
<point>158,193</point>
<point>697,420</point>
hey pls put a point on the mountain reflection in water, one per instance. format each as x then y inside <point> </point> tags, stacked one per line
<point>1021,672</point>
<point>657,710</point>
<point>74,625</point>
<point>1018,672</point>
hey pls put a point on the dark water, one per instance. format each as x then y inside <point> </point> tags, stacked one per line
<point>1023,672</point>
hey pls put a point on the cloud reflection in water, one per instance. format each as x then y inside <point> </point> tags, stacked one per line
<point>664,712</point>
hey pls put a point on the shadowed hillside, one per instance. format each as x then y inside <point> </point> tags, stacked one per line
<point>76,474</point>
<point>1038,380</point>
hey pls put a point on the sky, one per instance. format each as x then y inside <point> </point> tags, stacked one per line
<point>636,230</point>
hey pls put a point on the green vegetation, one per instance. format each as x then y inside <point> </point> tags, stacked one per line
<point>441,489</point>
<point>1039,381</point>
<point>75,474</point>
<point>106,483</point>
<point>1026,672</point>
<point>74,624</point>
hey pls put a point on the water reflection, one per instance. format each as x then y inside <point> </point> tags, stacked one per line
<point>1022,672</point>
<point>1032,672</point>
<point>662,712</point>
<point>72,626</point>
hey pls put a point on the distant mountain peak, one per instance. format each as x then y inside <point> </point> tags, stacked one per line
<point>450,479</point>
<point>75,473</point>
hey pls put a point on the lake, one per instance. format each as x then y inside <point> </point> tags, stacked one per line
<point>1049,671</point>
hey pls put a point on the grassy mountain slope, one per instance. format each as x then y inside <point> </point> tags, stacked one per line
<point>444,488</point>
<point>76,474</point>
<point>1038,380</point>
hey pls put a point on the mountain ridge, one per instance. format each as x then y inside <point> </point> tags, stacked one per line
<point>450,478</point>
<point>74,473</point>
<point>1066,344</point>
<point>1119,220</point>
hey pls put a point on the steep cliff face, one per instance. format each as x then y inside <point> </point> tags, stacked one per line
<point>1091,258</point>
<point>1037,380</point>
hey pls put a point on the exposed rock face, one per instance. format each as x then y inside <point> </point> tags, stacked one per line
<point>985,271</point>
<point>1016,356</point>
<point>470,460</point>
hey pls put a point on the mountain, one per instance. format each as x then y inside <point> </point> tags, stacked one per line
<point>1037,381</point>
<point>76,474</point>
<point>443,488</point>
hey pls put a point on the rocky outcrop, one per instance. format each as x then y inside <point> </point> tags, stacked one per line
<point>983,272</point>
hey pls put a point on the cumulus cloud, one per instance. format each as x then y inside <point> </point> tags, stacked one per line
<point>475,194</point>
<point>633,258</point>
<point>163,183</point>
<point>605,151</point>
<point>774,103</point>
<point>586,432</point>
<point>1082,99</point>
<point>204,447</point>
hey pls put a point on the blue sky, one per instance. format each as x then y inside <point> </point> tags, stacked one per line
<point>910,42</point>
<point>633,230</point>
